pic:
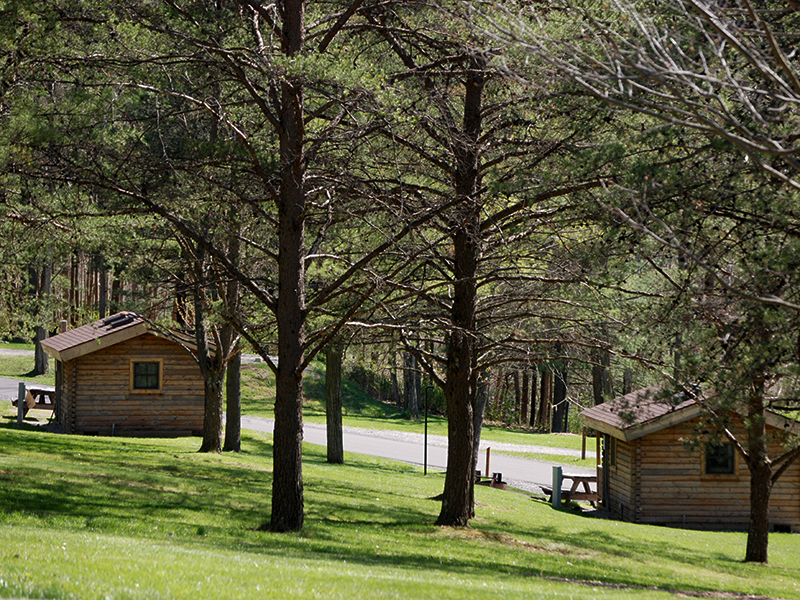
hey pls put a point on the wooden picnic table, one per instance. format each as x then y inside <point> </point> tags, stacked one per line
<point>38,397</point>
<point>573,493</point>
<point>580,481</point>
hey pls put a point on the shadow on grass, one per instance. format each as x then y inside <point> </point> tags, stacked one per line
<point>372,513</point>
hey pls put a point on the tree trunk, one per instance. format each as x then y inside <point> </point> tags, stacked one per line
<point>102,303</point>
<point>760,476</point>
<point>42,289</point>
<point>545,400</point>
<point>758,527</point>
<point>287,477</point>
<point>233,402</point>
<point>334,353</point>
<point>460,382</point>
<point>40,359</point>
<point>116,290</point>
<point>212,411</point>
<point>601,380</point>
<point>532,421</point>
<point>230,343</point>
<point>212,367</point>
<point>412,384</point>
<point>394,394</point>
<point>560,403</point>
<point>517,397</point>
<point>627,382</point>
<point>525,396</point>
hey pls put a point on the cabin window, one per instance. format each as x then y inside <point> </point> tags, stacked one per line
<point>720,459</point>
<point>146,376</point>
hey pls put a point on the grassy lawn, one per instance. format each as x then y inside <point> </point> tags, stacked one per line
<point>20,367</point>
<point>15,346</point>
<point>89,518</point>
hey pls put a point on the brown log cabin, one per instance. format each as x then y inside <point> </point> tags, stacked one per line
<point>662,466</point>
<point>119,376</point>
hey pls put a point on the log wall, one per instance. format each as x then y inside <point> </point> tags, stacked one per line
<point>620,484</point>
<point>661,481</point>
<point>97,398</point>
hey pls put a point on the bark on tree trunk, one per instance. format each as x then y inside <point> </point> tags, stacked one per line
<point>525,394</point>
<point>233,403</point>
<point>412,384</point>
<point>103,292</point>
<point>532,421</point>
<point>560,404</point>
<point>457,496</point>
<point>212,412</point>
<point>212,368</point>
<point>41,288</point>
<point>460,383</point>
<point>601,380</point>
<point>627,382</point>
<point>230,342</point>
<point>41,364</point>
<point>758,527</point>
<point>545,401</point>
<point>760,476</point>
<point>287,475</point>
<point>334,353</point>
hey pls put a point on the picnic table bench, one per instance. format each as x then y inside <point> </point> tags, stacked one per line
<point>573,493</point>
<point>39,398</point>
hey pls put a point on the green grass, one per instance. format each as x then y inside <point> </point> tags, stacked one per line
<point>93,518</point>
<point>16,346</point>
<point>21,367</point>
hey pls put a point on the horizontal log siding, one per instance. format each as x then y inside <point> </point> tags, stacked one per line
<point>673,490</point>
<point>64,410</point>
<point>621,482</point>
<point>105,402</point>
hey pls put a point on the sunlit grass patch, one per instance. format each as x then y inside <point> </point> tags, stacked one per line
<point>135,518</point>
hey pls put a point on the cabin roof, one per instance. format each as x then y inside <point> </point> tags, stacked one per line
<point>652,409</point>
<point>639,413</point>
<point>95,336</point>
<point>101,334</point>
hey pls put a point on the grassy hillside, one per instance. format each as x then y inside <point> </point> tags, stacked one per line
<point>127,518</point>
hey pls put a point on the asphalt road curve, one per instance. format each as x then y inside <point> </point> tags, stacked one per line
<point>407,447</point>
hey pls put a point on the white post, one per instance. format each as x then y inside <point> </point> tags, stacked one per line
<point>21,402</point>
<point>556,498</point>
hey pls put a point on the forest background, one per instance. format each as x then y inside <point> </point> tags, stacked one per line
<point>525,206</point>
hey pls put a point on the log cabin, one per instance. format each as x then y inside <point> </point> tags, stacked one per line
<point>120,376</point>
<point>662,465</point>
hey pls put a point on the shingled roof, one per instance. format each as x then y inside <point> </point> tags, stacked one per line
<point>95,336</point>
<point>639,413</point>
<point>652,409</point>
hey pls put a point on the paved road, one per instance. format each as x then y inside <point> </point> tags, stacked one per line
<point>408,447</point>
<point>9,388</point>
